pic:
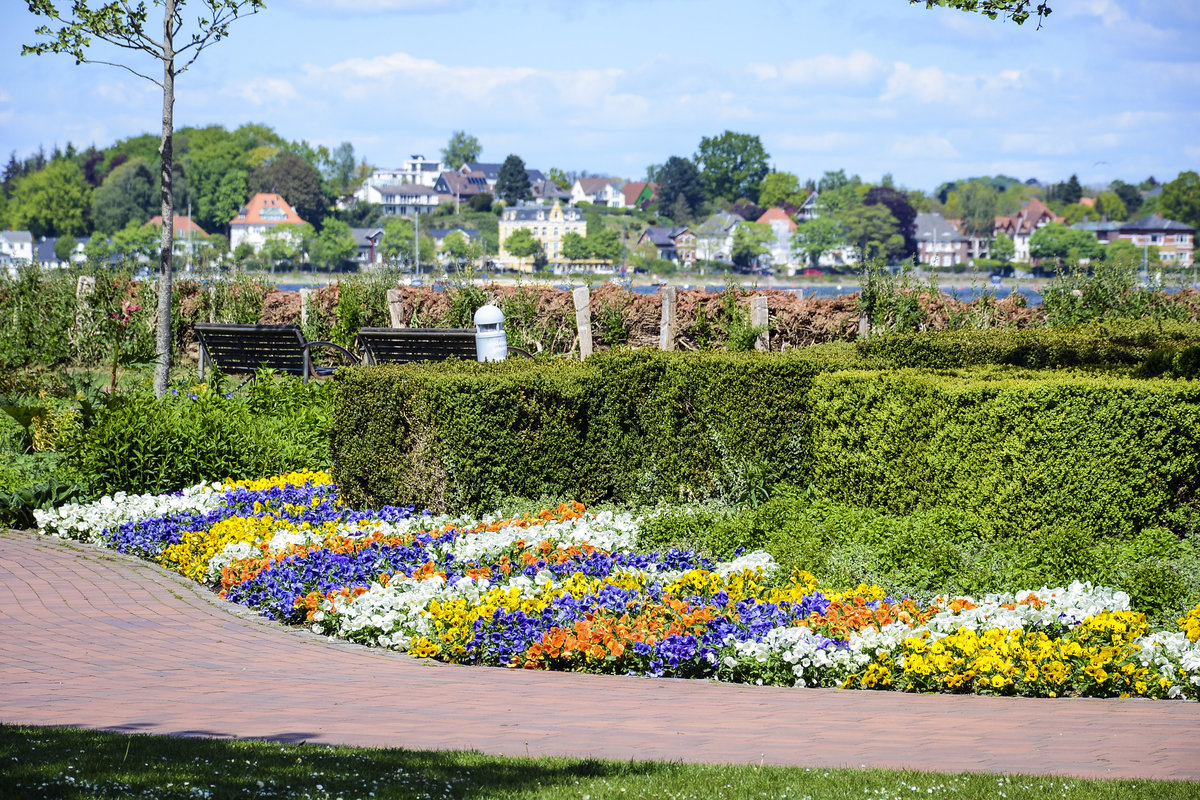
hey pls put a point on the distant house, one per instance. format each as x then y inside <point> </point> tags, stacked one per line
<point>598,192</point>
<point>439,235</point>
<point>783,227</point>
<point>16,246</point>
<point>714,236</point>
<point>939,243</point>
<point>1175,240</point>
<point>403,198</point>
<point>368,240</point>
<point>639,194</point>
<point>808,209</point>
<point>491,173</point>
<point>458,187</point>
<point>547,224</point>
<point>1106,231</point>
<point>415,170</point>
<point>187,234</point>
<point>677,245</point>
<point>1021,225</point>
<point>548,193</point>
<point>254,220</point>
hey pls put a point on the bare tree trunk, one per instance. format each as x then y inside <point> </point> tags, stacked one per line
<point>162,368</point>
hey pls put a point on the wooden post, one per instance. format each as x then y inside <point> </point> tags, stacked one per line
<point>583,319</point>
<point>212,304</point>
<point>305,297</point>
<point>760,318</point>
<point>394,301</point>
<point>666,334</point>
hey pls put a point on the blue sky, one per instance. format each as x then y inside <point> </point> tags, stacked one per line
<point>1105,89</point>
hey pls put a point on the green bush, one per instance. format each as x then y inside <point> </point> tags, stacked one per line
<point>634,426</point>
<point>1157,348</point>
<point>1102,455</point>
<point>141,444</point>
<point>38,309</point>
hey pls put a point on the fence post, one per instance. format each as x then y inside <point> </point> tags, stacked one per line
<point>760,318</point>
<point>666,334</point>
<point>212,304</point>
<point>305,296</point>
<point>394,302</point>
<point>583,319</point>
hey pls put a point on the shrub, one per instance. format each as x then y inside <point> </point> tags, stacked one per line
<point>140,444</point>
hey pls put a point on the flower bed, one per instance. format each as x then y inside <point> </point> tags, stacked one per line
<point>567,589</point>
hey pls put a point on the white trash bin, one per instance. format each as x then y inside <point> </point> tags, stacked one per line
<point>491,342</point>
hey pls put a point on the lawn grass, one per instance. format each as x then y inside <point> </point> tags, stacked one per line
<point>47,763</point>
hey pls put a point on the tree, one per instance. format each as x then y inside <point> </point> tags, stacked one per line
<point>732,166</point>
<point>815,237</point>
<point>874,232</point>
<point>1112,206</point>
<point>781,189</point>
<point>974,205</point>
<point>462,148</point>
<point>481,202</point>
<point>1003,248</point>
<point>127,195</point>
<point>1063,244</point>
<point>1016,10</point>
<point>333,246</point>
<point>512,184</point>
<point>1071,191</point>
<point>1129,194</point>
<point>340,168</point>
<point>575,247</point>
<point>605,245</point>
<point>136,241</point>
<point>51,202</point>
<point>750,240</point>
<point>559,178</point>
<point>124,25</point>
<point>284,243</point>
<point>521,244</point>
<point>1181,199</point>
<point>396,246</point>
<point>64,248</point>
<point>458,249</point>
<point>679,178</point>
<point>297,181</point>
<point>906,216</point>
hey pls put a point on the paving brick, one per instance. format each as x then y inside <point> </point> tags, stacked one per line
<point>96,639</point>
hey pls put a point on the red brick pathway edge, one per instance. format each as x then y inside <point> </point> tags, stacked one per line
<point>96,639</point>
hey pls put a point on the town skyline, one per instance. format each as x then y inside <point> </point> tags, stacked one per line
<point>1106,89</point>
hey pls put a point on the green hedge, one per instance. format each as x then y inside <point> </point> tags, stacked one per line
<point>632,426</point>
<point>1099,454</point>
<point>1025,451</point>
<point>1165,347</point>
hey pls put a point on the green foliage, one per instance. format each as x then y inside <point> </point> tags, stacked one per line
<point>1120,346</point>
<point>512,182</point>
<point>732,166</point>
<point>38,309</point>
<point>1181,199</point>
<point>141,444</point>
<point>521,243</point>
<point>750,240</point>
<point>624,426</point>
<point>1102,455</point>
<point>297,181</point>
<point>781,189</point>
<point>52,202</point>
<point>1057,241</point>
<point>1016,10</point>
<point>461,149</point>
<point>126,196</point>
<point>679,178</point>
<point>814,237</point>
<point>1108,291</point>
<point>873,231</point>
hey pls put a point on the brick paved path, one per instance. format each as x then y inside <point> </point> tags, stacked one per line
<point>92,638</point>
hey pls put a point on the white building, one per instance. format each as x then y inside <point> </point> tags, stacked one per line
<point>262,214</point>
<point>401,198</point>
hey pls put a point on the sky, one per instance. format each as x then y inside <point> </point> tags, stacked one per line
<point>1105,89</point>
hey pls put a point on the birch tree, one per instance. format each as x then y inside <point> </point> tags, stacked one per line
<point>75,29</point>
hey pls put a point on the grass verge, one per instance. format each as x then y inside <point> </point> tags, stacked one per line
<point>47,763</point>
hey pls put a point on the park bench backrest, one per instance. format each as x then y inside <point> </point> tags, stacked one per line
<point>403,345</point>
<point>244,349</point>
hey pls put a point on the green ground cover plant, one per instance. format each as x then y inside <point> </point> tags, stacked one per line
<point>53,763</point>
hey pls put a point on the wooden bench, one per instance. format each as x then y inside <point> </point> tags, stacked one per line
<point>405,345</point>
<point>245,349</point>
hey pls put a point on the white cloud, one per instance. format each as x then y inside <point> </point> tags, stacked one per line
<point>268,92</point>
<point>817,143</point>
<point>928,147</point>
<point>857,68</point>
<point>973,94</point>
<point>1038,144</point>
<point>5,97</point>
<point>422,77</point>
